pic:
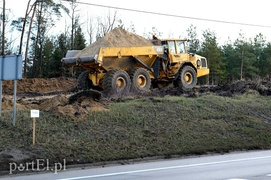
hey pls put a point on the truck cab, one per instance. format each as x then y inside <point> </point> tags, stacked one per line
<point>176,52</point>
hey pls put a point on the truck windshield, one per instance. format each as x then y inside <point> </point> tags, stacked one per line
<point>171,45</point>
<point>180,47</point>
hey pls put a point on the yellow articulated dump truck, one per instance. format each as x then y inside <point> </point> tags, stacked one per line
<point>120,70</point>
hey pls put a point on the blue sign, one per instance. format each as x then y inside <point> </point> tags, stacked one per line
<point>11,67</point>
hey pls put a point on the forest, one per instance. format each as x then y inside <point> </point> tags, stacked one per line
<point>241,59</point>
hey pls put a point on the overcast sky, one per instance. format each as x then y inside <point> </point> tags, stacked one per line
<point>239,11</point>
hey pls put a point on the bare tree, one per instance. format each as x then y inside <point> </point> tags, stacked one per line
<point>24,24</point>
<point>108,24</point>
<point>73,19</point>
<point>3,27</point>
<point>27,12</point>
<point>90,28</point>
<point>28,38</point>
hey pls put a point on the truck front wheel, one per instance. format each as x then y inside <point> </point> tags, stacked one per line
<point>187,78</point>
<point>116,82</point>
<point>141,81</point>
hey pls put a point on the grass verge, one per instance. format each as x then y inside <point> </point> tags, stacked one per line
<point>138,128</point>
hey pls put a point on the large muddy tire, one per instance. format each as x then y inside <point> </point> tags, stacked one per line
<point>116,82</point>
<point>141,81</point>
<point>83,81</point>
<point>187,79</point>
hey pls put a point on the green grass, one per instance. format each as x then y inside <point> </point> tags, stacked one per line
<point>145,127</point>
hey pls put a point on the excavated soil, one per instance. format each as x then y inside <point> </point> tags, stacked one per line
<point>51,95</point>
<point>118,37</point>
<point>40,86</point>
<point>262,87</point>
<point>57,95</point>
<point>57,104</point>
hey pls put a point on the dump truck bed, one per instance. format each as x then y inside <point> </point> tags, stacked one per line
<point>118,57</point>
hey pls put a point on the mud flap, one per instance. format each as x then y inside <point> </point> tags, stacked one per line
<point>156,68</point>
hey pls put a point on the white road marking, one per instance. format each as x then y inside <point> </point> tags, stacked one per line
<point>166,168</point>
<point>268,175</point>
<point>236,179</point>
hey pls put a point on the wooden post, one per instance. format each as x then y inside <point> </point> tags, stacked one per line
<point>34,114</point>
<point>34,131</point>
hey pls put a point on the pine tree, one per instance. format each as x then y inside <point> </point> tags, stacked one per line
<point>259,45</point>
<point>79,39</point>
<point>45,14</point>
<point>246,58</point>
<point>266,62</point>
<point>193,45</point>
<point>210,49</point>
<point>231,64</point>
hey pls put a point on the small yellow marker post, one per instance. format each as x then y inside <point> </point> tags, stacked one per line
<point>34,114</point>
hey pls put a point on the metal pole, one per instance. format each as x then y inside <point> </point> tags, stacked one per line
<point>0,99</point>
<point>1,84</point>
<point>14,103</point>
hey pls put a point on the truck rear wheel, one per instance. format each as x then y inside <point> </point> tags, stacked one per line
<point>187,78</point>
<point>116,82</point>
<point>83,81</point>
<point>141,81</point>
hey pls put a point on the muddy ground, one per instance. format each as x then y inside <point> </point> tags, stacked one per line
<point>60,97</point>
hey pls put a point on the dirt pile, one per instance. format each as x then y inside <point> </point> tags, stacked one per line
<point>118,37</point>
<point>63,105</point>
<point>262,87</point>
<point>77,105</point>
<point>41,85</point>
<point>51,95</point>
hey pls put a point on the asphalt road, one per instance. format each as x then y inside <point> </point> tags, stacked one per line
<point>255,165</point>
